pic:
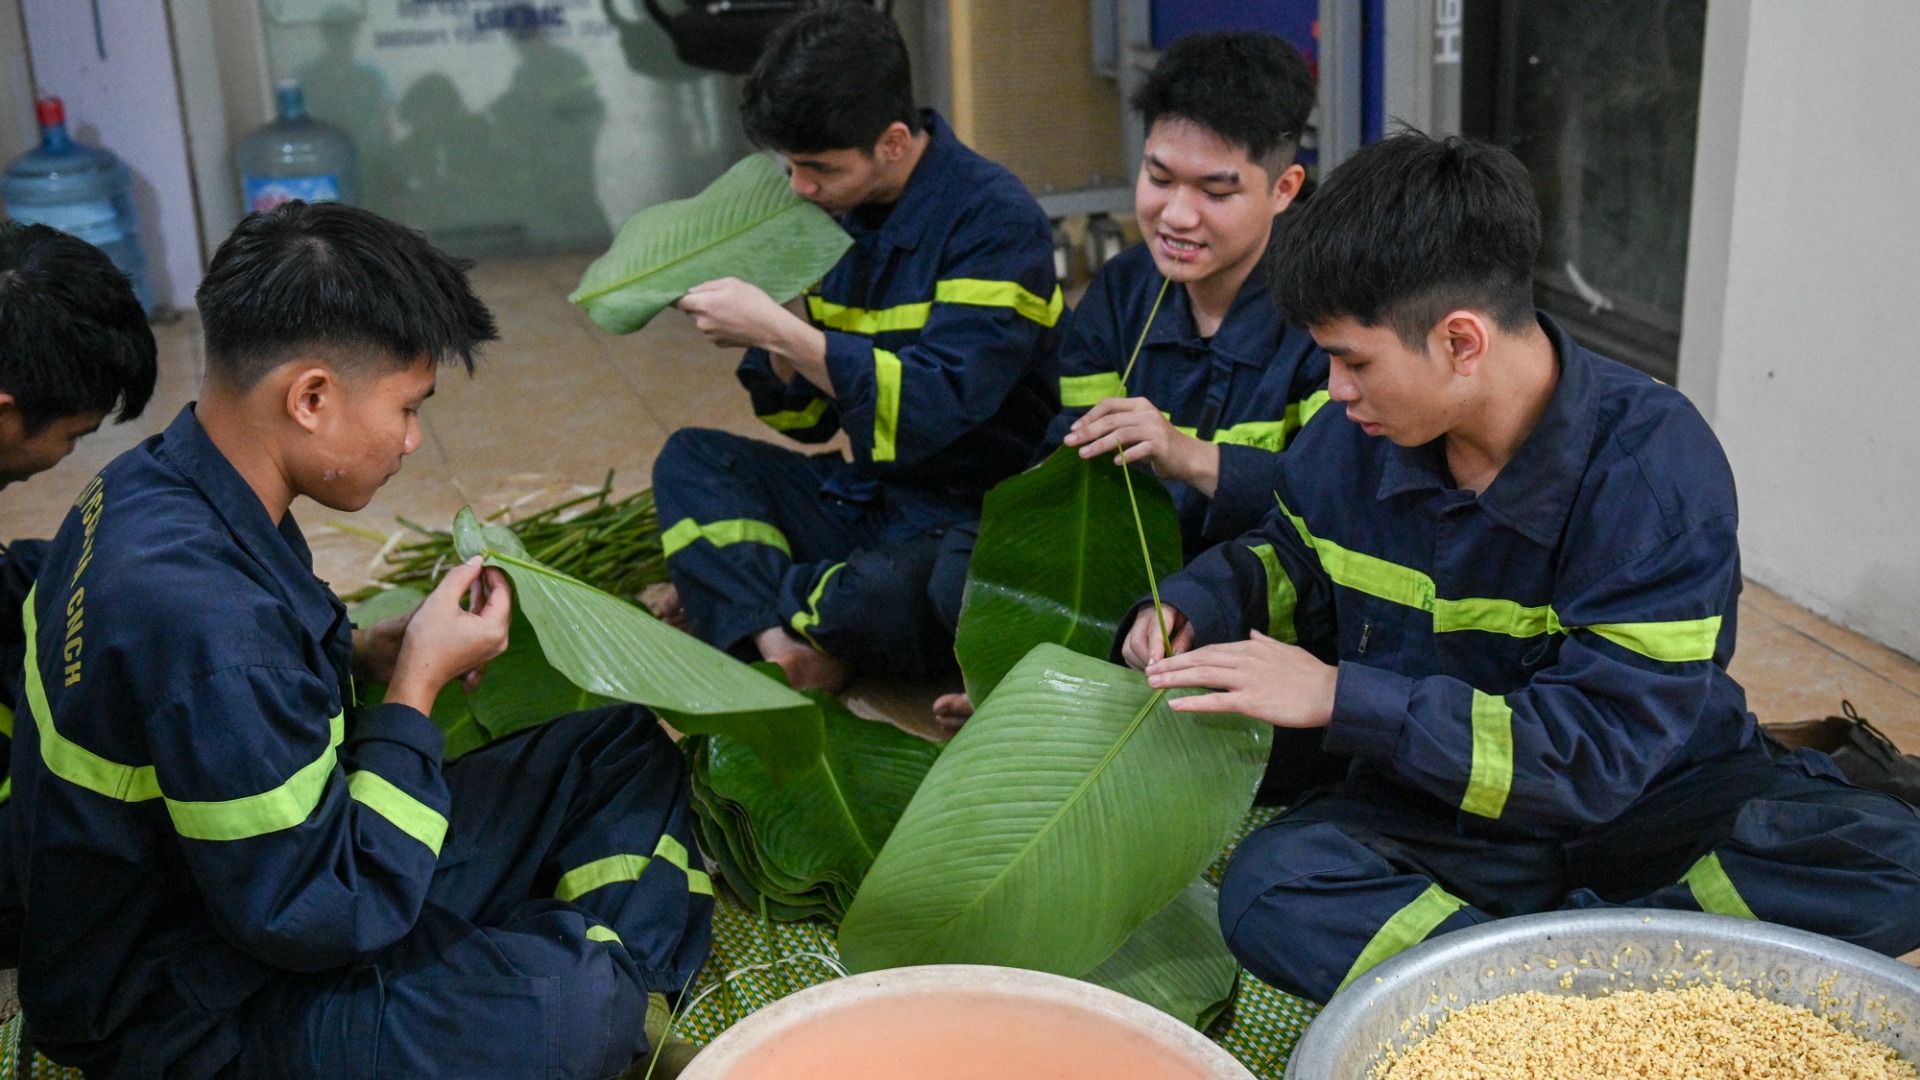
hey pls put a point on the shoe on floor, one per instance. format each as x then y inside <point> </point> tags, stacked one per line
<point>1863,754</point>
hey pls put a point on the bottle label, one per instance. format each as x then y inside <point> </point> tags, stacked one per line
<point>93,220</point>
<point>267,192</point>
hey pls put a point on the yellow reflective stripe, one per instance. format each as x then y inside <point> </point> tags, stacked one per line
<point>855,320</point>
<point>408,814</point>
<point>1714,891</point>
<point>796,419</point>
<point>1281,599</point>
<point>1408,927</point>
<point>601,933</point>
<point>1304,409</point>
<point>615,869</point>
<point>70,761</point>
<point>6,790</point>
<point>721,533</point>
<point>1086,391</point>
<point>6,721</point>
<point>886,403</point>
<point>268,812</point>
<point>1675,642</point>
<point>804,621</point>
<point>1490,780</point>
<point>1007,294</point>
<point>1672,642</point>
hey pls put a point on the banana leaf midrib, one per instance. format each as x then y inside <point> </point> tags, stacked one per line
<point>581,297</point>
<point>840,796</point>
<point>1072,801</point>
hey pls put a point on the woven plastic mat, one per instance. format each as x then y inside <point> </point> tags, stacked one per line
<point>757,961</point>
<point>35,1067</point>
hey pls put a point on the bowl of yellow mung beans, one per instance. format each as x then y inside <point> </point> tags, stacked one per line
<point>1621,993</point>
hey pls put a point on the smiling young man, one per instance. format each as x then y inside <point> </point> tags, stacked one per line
<point>74,349</point>
<point>231,868</point>
<point>1526,553</point>
<point>930,345</point>
<point>1223,379</point>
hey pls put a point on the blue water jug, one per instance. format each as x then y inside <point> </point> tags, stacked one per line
<point>78,189</point>
<point>296,157</point>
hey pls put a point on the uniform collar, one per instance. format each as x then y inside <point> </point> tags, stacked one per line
<point>281,550</point>
<point>1534,492</point>
<point>1245,336</point>
<point>918,208</point>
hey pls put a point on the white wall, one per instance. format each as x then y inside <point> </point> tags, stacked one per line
<point>129,103</point>
<point>1802,339</point>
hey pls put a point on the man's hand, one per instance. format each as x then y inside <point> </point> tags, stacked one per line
<point>445,640</point>
<point>1148,436</point>
<point>377,648</point>
<point>1143,641</point>
<point>1283,685</point>
<point>734,314</point>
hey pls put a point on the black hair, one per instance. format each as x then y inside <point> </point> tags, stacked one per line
<point>1408,229</point>
<point>1249,87</point>
<point>73,337</point>
<point>833,77</point>
<point>332,277</point>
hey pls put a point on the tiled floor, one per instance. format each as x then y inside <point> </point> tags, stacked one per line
<point>557,402</point>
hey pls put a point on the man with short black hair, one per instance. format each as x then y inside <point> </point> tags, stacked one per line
<point>929,345</point>
<point>231,868</point>
<point>74,349</point>
<point>1526,553</point>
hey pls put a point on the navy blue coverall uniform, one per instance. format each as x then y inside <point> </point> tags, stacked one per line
<point>230,870</point>
<point>940,336</point>
<point>19,565</point>
<point>1533,687</point>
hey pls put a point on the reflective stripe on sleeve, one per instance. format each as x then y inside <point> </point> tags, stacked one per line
<point>721,533</point>
<point>796,419</point>
<point>1408,927</point>
<point>867,321</point>
<point>1674,642</point>
<point>1713,890</point>
<point>1086,391</point>
<point>1490,779</point>
<point>601,933</point>
<point>1006,294</point>
<point>1271,435</point>
<point>803,622</point>
<point>69,760</point>
<point>886,404</point>
<point>615,869</point>
<point>406,813</point>
<point>1281,598</point>
<point>268,812</point>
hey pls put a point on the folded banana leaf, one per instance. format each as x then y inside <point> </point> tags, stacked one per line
<point>1058,560</point>
<point>748,224</point>
<point>1073,806</point>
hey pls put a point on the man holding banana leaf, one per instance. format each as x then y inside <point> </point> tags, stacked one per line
<point>929,345</point>
<point>1526,553</point>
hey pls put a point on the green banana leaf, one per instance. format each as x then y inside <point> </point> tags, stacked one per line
<point>612,648</point>
<point>1072,806</point>
<point>748,224</point>
<point>810,838</point>
<point>1177,961</point>
<point>1059,560</point>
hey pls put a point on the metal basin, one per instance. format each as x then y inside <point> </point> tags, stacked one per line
<point>1589,953</point>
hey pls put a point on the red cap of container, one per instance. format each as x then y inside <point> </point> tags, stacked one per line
<point>50,112</point>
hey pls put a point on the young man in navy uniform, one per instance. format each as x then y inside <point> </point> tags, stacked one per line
<point>74,349</point>
<point>229,867</point>
<point>1223,380</point>
<point>929,345</point>
<point>1526,554</point>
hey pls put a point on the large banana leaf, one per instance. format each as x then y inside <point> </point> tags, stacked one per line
<point>1059,560</point>
<point>1072,806</point>
<point>748,224</point>
<point>612,648</point>
<point>805,842</point>
<point>1177,961</point>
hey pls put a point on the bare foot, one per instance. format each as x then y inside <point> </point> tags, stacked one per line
<point>663,602</point>
<point>952,710</point>
<point>807,668</point>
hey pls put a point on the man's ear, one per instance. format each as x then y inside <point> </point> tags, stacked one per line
<point>1286,187</point>
<point>1463,336</point>
<point>893,143</point>
<point>313,395</point>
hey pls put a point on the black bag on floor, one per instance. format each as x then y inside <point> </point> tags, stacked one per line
<point>1863,754</point>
